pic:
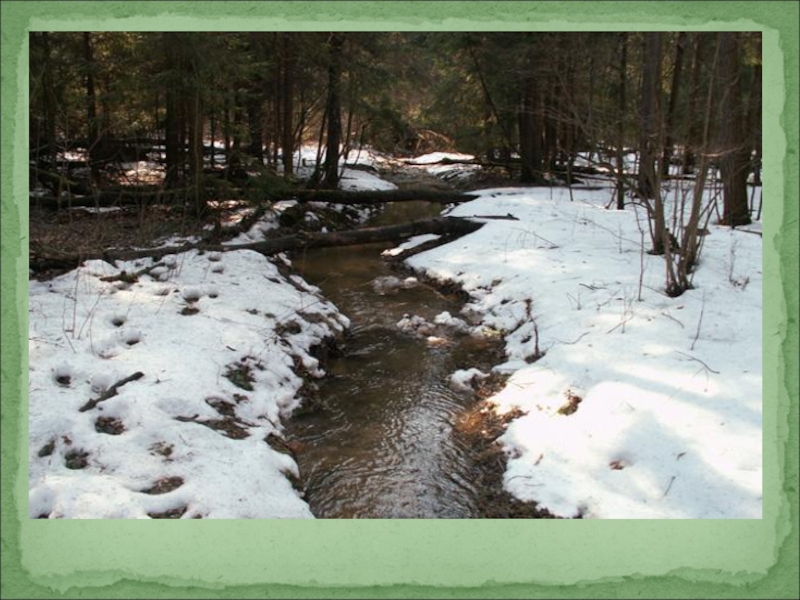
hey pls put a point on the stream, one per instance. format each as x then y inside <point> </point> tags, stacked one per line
<point>383,446</point>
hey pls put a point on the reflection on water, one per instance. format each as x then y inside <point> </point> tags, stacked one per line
<point>383,447</point>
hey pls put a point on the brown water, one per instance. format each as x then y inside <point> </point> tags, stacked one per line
<point>383,447</point>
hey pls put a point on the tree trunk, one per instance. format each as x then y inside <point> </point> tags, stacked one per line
<point>548,102</point>
<point>92,124</point>
<point>133,197</point>
<point>212,133</point>
<point>255,123</point>
<point>288,105</point>
<point>649,137</point>
<point>195,175</point>
<point>172,127</point>
<point>334,134</point>
<point>693,130</point>
<point>226,126</point>
<point>669,125</point>
<point>621,112</point>
<point>530,146</point>
<point>733,147</point>
<point>173,167</point>
<point>754,114</point>
<point>50,103</point>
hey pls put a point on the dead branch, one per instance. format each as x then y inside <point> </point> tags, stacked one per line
<point>110,392</point>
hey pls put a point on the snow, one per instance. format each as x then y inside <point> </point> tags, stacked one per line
<point>87,334</point>
<point>636,405</point>
<point>437,157</point>
<point>668,424</point>
<point>436,163</point>
<point>357,180</point>
<point>411,242</point>
<point>462,380</point>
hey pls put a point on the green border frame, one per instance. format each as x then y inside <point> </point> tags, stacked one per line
<point>415,558</point>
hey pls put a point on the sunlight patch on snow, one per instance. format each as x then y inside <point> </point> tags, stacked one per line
<point>642,406</point>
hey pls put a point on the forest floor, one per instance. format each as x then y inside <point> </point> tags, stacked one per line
<point>620,401</point>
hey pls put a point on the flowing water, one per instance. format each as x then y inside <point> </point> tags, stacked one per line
<point>383,447</point>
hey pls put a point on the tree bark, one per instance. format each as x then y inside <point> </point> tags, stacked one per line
<point>195,178</point>
<point>621,103</point>
<point>334,134</point>
<point>754,114</point>
<point>172,134</point>
<point>49,104</point>
<point>288,105</point>
<point>92,123</point>
<point>530,145</point>
<point>669,124</point>
<point>692,141</point>
<point>649,138</point>
<point>733,147</point>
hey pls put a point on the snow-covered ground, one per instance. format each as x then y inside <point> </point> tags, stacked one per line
<point>216,337</point>
<point>643,406</point>
<point>638,405</point>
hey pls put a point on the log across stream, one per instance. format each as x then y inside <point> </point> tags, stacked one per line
<point>384,444</point>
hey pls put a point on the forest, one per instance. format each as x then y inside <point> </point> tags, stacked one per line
<point>525,102</point>
<point>538,252</point>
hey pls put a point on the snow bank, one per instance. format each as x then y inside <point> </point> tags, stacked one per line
<point>218,339</point>
<point>642,406</point>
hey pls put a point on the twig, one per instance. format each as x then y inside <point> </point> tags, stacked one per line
<point>525,477</point>
<point>671,481</point>
<point>575,341</point>
<point>131,277</point>
<point>90,316</point>
<point>75,303</point>
<point>669,316</point>
<point>758,233</point>
<point>641,254</point>
<point>627,315</point>
<point>698,360</point>
<point>110,392</point>
<point>699,322</point>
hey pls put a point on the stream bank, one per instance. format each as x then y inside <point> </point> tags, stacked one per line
<point>388,433</point>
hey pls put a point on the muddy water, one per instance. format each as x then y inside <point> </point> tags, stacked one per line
<point>383,447</point>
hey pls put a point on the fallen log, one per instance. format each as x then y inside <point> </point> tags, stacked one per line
<point>136,197</point>
<point>381,196</point>
<point>109,198</point>
<point>449,226</point>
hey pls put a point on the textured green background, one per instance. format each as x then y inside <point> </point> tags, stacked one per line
<point>418,558</point>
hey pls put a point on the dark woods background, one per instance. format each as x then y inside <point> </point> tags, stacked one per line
<point>526,103</point>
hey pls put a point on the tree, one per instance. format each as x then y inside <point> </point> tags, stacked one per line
<point>733,146</point>
<point>330,179</point>
<point>93,124</point>
<point>287,99</point>
<point>670,119</point>
<point>43,98</point>
<point>623,74</point>
<point>650,122</point>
